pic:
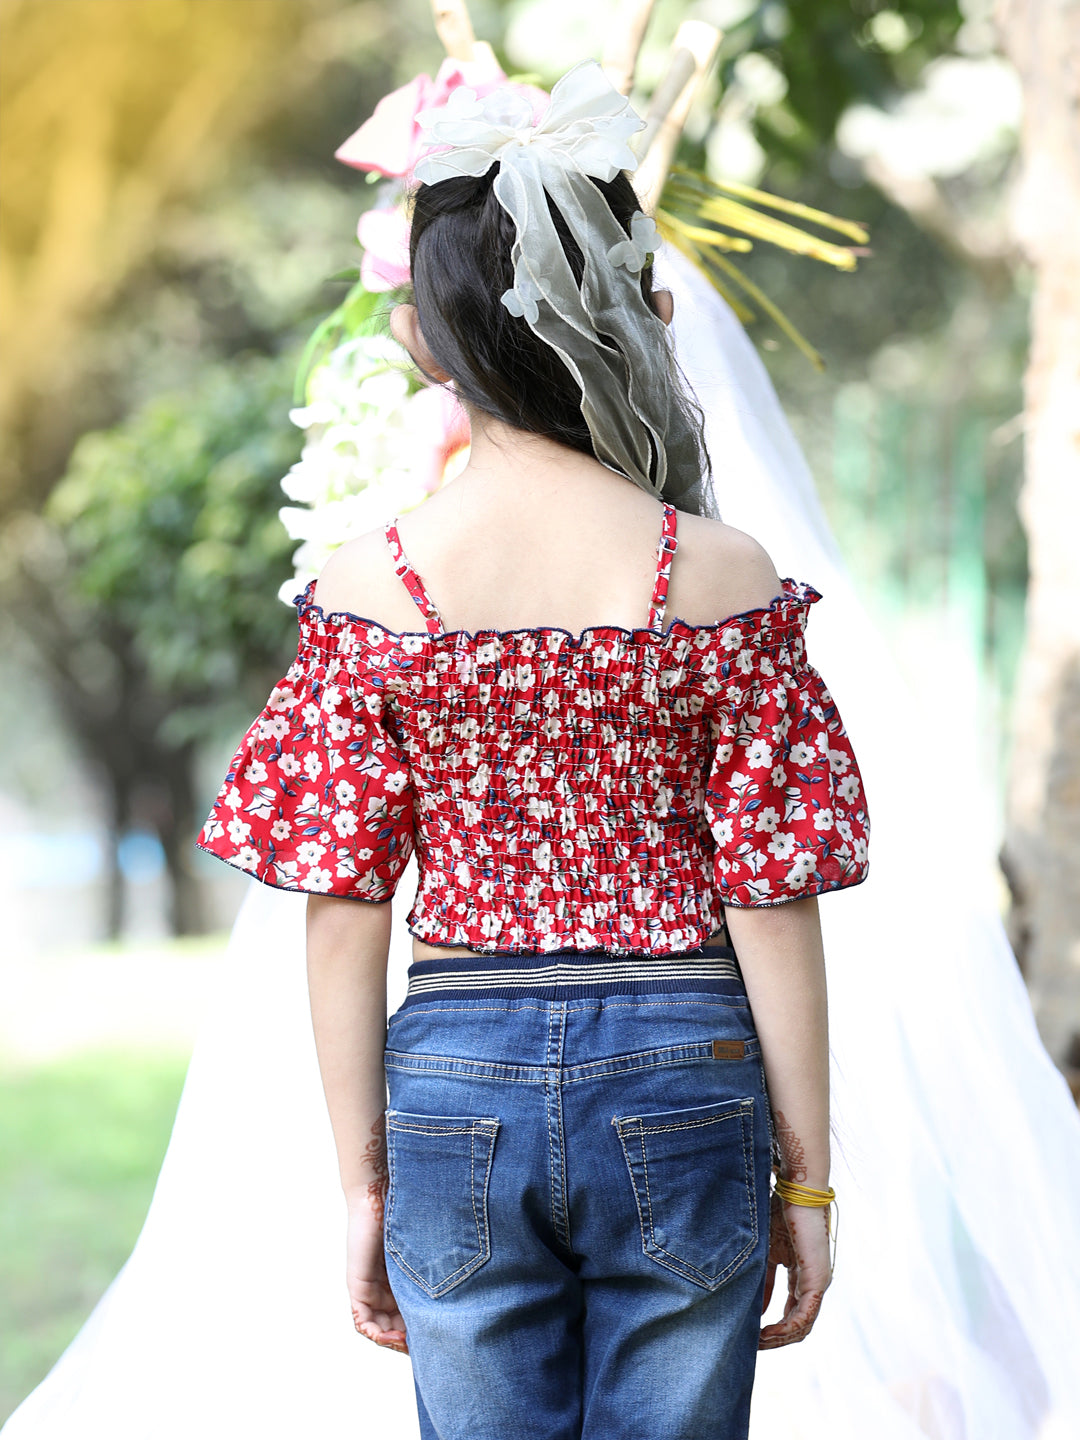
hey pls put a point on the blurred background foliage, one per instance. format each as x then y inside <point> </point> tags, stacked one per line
<point>140,588</point>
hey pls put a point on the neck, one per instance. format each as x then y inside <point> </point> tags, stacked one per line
<point>504,459</point>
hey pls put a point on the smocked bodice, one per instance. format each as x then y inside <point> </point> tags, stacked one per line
<point>606,790</point>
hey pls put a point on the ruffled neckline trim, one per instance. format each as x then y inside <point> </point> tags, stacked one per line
<point>773,620</point>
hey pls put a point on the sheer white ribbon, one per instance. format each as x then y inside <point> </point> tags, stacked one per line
<point>603,329</point>
<point>955,1306</point>
<point>586,127</point>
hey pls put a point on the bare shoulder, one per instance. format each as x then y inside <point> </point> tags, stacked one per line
<point>724,570</point>
<point>359,579</point>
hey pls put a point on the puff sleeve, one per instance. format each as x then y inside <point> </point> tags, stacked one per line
<point>318,797</point>
<point>784,795</point>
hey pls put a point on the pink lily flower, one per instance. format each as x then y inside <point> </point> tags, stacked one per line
<point>384,234</point>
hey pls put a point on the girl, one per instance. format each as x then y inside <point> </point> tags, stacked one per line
<point>586,704</point>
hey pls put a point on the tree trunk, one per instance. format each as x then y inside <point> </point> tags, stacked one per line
<point>176,827</point>
<point>1042,848</point>
<point>118,823</point>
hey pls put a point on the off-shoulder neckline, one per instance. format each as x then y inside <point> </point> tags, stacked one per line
<point>798,592</point>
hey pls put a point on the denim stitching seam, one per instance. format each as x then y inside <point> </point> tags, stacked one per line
<point>472,1190</point>
<point>540,1077</point>
<point>629,1164</point>
<point>748,1175</point>
<point>461,1273</point>
<point>610,1003</point>
<point>535,1074</point>
<point>564,1210</point>
<point>547,1114</point>
<point>680,1265</point>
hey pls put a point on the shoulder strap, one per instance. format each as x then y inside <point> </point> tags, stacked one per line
<point>411,580</point>
<point>669,543</point>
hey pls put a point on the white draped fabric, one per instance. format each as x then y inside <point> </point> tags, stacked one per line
<point>954,1312</point>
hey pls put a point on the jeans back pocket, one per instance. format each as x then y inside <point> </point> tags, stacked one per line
<point>436,1224</point>
<point>693,1176</point>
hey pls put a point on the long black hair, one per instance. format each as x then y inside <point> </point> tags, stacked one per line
<point>460,257</point>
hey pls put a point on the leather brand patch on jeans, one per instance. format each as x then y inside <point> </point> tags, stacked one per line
<point>728,1049</point>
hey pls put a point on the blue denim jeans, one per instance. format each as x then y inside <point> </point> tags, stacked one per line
<point>576,1226</point>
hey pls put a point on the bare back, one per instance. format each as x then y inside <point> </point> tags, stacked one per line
<point>513,556</point>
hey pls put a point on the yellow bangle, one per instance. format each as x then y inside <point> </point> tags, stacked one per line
<point>803,1194</point>
<point>794,1193</point>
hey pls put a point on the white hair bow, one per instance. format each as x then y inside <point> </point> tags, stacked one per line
<point>602,328</point>
<point>586,125</point>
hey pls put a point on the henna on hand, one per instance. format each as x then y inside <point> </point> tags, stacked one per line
<point>792,1154</point>
<point>787,1247</point>
<point>375,1155</point>
<point>791,1337</point>
<point>781,1249</point>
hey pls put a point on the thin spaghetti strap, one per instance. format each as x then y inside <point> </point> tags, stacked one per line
<point>411,580</point>
<point>669,543</point>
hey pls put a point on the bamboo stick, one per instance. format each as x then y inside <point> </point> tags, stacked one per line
<point>628,27</point>
<point>454,28</point>
<point>694,48</point>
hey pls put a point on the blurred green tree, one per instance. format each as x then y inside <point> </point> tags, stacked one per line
<point>146,589</point>
<point>788,77</point>
<point>832,53</point>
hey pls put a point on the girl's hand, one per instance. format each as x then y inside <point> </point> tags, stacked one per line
<point>799,1241</point>
<point>374,1309</point>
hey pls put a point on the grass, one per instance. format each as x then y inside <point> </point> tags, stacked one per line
<point>81,1142</point>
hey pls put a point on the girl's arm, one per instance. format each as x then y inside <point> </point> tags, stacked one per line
<point>780,954</point>
<point>348,944</point>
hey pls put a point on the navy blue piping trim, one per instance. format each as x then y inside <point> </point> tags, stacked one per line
<point>826,888</point>
<point>305,606</point>
<point>293,889</point>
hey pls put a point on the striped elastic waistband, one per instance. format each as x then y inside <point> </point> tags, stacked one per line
<point>577,974</point>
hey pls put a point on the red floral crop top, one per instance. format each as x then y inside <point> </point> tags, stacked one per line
<point>610,790</point>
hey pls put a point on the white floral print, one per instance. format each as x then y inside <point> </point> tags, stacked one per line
<point>610,790</point>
